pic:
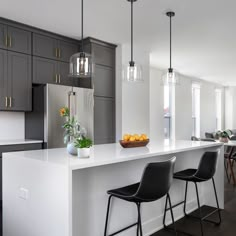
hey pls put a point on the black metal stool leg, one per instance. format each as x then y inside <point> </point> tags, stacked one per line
<point>139,219</point>
<point>226,171</point>
<point>164,218</point>
<point>185,198</point>
<point>107,216</point>
<point>199,208</point>
<point>217,202</point>
<point>172,215</point>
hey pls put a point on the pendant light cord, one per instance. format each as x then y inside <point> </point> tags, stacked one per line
<point>82,25</point>
<point>170,43</point>
<point>132,35</point>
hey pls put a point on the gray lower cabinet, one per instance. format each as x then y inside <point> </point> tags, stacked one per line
<point>104,120</point>
<point>19,82</point>
<point>15,80</point>
<point>51,48</point>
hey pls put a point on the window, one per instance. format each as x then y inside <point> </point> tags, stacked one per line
<point>196,110</point>
<point>168,111</point>
<point>218,95</point>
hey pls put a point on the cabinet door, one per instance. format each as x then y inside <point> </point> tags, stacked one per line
<point>44,71</point>
<point>3,79</point>
<point>104,120</point>
<point>104,81</point>
<point>3,35</point>
<point>20,84</point>
<point>19,40</point>
<point>67,49</point>
<point>63,71</point>
<point>44,46</point>
<point>103,55</point>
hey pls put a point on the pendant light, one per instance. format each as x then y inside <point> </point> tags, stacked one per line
<point>132,72</point>
<point>81,63</point>
<point>171,76</point>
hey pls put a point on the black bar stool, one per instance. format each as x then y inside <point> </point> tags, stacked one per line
<point>155,183</point>
<point>205,172</point>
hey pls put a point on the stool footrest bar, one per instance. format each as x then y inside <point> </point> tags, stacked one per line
<point>121,230</point>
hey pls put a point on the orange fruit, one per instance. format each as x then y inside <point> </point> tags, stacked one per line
<point>137,137</point>
<point>132,138</point>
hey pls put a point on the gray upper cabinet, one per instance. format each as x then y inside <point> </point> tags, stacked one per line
<point>51,48</point>
<point>104,81</point>
<point>104,120</point>
<point>44,71</point>
<point>44,46</point>
<point>19,82</point>
<point>63,71</point>
<point>15,81</point>
<point>19,40</point>
<point>103,55</point>
<point>66,50</point>
<point>15,39</point>
<point>3,79</point>
<point>3,36</point>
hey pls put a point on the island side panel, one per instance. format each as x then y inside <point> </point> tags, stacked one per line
<point>89,198</point>
<point>44,209</point>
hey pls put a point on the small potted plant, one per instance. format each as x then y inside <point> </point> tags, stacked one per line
<point>224,136</point>
<point>73,130</point>
<point>83,145</point>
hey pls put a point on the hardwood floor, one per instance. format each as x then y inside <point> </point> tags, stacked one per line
<point>227,227</point>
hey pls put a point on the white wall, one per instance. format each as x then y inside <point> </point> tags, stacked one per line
<point>183,109</point>
<point>12,125</point>
<point>156,105</point>
<point>135,96</point>
<point>230,107</point>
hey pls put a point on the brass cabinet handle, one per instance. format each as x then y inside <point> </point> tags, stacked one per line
<point>10,101</point>
<point>10,44</point>
<point>6,102</point>
<point>56,78</point>
<point>59,78</point>
<point>56,52</point>
<point>6,40</point>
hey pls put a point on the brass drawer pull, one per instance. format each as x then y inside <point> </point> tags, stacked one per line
<point>59,78</point>
<point>6,41</point>
<point>56,52</point>
<point>6,102</point>
<point>59,53</point>
<point>10,99</point>
<point>10,43</point>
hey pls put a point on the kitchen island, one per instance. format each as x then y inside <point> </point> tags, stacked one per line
<point>50,193</point>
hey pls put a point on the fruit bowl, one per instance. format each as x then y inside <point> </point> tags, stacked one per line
<point>131,144</point>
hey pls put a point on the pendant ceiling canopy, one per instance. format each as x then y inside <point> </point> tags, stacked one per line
<point>132,72</point>
<point>170,76</point>
<point>81,62</point>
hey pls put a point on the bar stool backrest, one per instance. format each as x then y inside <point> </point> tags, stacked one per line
<point>156,180</point>
<point>207,166</point>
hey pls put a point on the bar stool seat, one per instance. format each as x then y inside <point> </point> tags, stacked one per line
<point>188,175</point>
<point>155,183</point>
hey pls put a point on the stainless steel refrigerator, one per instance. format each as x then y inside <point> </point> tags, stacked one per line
<point>44,122</point>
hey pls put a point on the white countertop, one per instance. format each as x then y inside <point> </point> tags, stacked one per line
<point>18,141</point>
<point>110,153</point>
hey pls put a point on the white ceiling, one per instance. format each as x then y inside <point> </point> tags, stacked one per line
<point>204,33</point>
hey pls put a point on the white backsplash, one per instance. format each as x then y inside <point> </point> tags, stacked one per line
<point>12,125</point>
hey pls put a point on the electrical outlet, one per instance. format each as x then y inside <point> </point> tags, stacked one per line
<point>24,193</point>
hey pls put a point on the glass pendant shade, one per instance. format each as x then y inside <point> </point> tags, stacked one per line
<point>80,65</point>
<point>170,77</point>
<point>132,73</point>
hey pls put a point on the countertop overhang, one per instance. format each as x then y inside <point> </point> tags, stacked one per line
<point>106,154</point>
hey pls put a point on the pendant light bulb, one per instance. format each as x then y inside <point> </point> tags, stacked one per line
<point>81,62</point>
<point>170,76</point>
<point>132,72</point>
